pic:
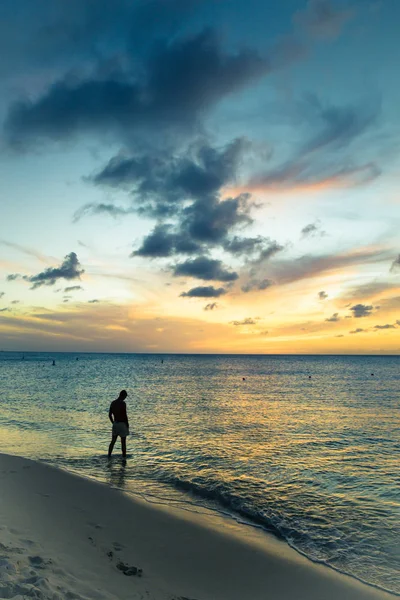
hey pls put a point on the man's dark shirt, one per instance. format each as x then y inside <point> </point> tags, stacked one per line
<point>118,411</point>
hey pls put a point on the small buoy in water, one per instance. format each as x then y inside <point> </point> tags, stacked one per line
<point>244,378</point>
<point>372,374</point>
<point>309,377</point>
<point>54,363</point>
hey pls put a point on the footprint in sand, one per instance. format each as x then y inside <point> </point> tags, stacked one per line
<point>38,562</point>
<point>129,571</point>
<point>117,546</point>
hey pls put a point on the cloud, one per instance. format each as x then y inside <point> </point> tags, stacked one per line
<point>72,288</point>
<point>358,330</point>
<point>13,276</point>
<point>387,326</point>
<point>69,269</point>
<point>308,266</point>
<point>169,90</point>
<point>94,301</point>
<point>211,306</point>
<point>312,230</point>
<point>2,294</point>
<point>361,310</point>
<point>15,301</point>
<point>321,19</point>
<point>322,295</point>
<point>244,246</point>
<point>204,292</point>
<point>247,321</point>
<point>100,209</point>
<point>4,309</point>
<point>25,250</point>
<point>334,318</point>
<point>395,265</point>
<point>206,269</point>
<point>325,160</point>
<point>257,284</point>
<point>368,290</point>
<point>163,242</point>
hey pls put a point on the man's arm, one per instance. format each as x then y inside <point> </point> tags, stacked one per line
<point>110,414</point>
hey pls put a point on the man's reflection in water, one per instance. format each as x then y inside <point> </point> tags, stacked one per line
<point>116,472</point>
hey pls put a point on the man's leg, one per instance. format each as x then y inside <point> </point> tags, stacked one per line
<point>123,446</point>
<point>112,444</point>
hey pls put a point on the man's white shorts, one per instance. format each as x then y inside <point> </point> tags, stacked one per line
<point>120,429</point>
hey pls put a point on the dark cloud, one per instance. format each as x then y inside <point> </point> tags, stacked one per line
<point>322,295</point>
<point>73,288</point>
<point>15,301</point>
<point>257,284</point>
<point>387,326</point>
<point>361,310</point>
<point>186,190</point>
<point>211,306</point>
<point>56,33</point>
<point>242,246</point>
<point>4,309</point>
<point>322,19</point>
<point>201,170</point>
<point>204,292</point>
<point>247,321</point>
<point>395,264</point>
<point>358,330</point>
<point>94,301</point>
<point>2,294</point>
<point>210,220</point>
<point>163,242</point>
<point>174,86</point>
<point>312,230</point>
<point>206,269</point>
<point>334,318</point>
<point>69,269</point>
<point>13,277</point>
<point>340,335</point>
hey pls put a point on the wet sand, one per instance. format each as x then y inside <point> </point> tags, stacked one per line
<point>67,537</point>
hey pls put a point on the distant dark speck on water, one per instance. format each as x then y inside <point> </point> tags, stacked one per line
<point>244,378</point>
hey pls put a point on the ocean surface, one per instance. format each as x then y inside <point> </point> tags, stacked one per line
<point>306,447</point>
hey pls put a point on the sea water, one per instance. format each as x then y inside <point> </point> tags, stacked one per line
<point>306,447</point>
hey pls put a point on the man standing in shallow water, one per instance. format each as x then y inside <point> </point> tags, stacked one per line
<point>120,424</point>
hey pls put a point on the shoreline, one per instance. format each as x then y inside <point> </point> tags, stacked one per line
<point>77,535</point>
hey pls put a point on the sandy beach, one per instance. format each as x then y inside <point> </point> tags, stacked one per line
<point>63,536</point>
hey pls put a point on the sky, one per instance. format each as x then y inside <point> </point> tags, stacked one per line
<point>200,176</point>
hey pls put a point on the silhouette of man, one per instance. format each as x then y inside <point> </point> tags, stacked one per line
<point>120,424</point>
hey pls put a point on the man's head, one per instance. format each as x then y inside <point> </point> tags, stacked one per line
<point>122,395</point>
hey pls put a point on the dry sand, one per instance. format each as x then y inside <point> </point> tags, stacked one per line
<point>66,537</point>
